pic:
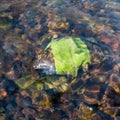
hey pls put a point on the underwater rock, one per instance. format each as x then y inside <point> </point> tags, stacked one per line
<point>82,29</point>
<point>61,58</point>
<point>112,41</point>
<point>5,23</point>
<point>45,67</point>
<point>57,24</point>
<point>69,54</point>
<point>45,90</point>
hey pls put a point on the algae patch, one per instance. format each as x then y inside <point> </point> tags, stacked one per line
<point>69,54</point>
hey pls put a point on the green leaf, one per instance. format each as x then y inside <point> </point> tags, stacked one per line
<point>69,54</point>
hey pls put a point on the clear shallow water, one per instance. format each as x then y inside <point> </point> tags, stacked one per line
<point>28,26</point>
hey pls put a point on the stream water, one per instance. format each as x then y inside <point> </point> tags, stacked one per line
<point>29,86</point>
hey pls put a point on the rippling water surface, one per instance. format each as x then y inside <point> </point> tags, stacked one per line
<point>26,28</point>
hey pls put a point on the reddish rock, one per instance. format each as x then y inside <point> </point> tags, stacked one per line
<point>3,93</point>
<point>113,41</point>
<point>29,112</point>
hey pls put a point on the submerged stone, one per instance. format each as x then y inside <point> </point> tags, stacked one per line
<point>4,23</point>
<point>45,67</point>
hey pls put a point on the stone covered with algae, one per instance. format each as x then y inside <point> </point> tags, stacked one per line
<point>45,90</point>
<point>69,54</point>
